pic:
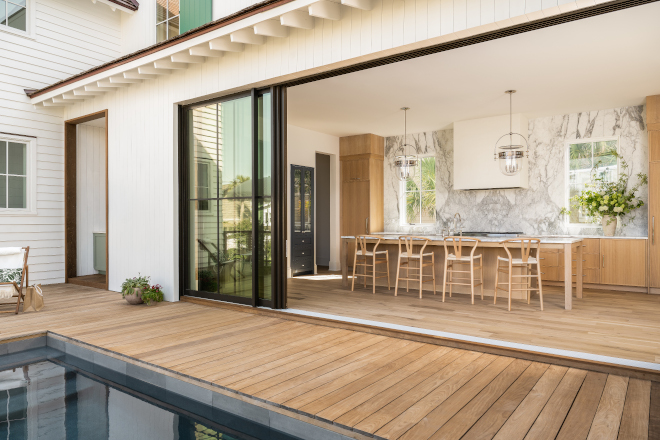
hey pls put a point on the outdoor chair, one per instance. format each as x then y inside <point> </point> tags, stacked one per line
<point>13,274</point>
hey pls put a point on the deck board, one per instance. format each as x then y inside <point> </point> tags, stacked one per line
<point>391,387</point>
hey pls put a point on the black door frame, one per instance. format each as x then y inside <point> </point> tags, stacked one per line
<point>278,198</point>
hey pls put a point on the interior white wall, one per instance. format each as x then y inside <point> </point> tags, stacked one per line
<point>90,192</point>
<point>302,146</point>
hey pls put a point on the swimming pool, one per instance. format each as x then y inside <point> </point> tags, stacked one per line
<point>44,394</point>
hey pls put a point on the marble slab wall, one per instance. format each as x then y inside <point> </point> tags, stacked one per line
<point>534,210</point>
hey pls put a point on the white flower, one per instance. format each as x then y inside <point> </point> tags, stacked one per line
<point>603,208</point>
<point>618,209</point>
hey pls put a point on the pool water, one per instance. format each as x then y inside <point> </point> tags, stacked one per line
<point>51,400</point>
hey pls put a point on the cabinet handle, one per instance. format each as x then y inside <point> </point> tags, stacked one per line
<point>603,260</point>
<point>366,225</point>
<point>653,230</point>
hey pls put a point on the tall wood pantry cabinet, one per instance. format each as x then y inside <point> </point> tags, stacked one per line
<point>653,128</point>
<point>361,169</point>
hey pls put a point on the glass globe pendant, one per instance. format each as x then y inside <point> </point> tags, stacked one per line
<point>405,164</point>
<point>510,155</point>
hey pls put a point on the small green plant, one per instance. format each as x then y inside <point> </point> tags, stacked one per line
<point>138,282</point>
<point>152,294</point>
<point>601,198</point>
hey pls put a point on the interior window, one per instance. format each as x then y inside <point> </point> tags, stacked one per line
<point>13,175</point>
<point>419,194</point>
<point>167,19</point>
<point>583,156</point>
<point>13,13</point>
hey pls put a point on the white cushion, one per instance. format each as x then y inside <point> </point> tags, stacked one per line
<point>11,258</point>
<point>405,255</point>
<point>7,291</point>
<point>530,260</point>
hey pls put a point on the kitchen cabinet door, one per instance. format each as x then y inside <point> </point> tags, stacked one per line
<point>623,262</point>
<point>654,217</point>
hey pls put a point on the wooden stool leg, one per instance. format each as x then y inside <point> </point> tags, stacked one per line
<point>497,280</point>
<point>408,274</point>
<point>472,279</point>
<point>510,287</point>
<point>387,263</point>
<point>396,282</point>
<point>451,277</point>
<point>433,267</point>
<point>481,276</point>
<point>538,280</point>
<point>444,281</point>
<point>354,265</point>
<point>528,272</point>
<point>373,274</point>
<point>366,259</point>
<point>421,269</point>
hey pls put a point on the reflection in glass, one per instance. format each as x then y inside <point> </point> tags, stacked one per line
<point>297,208</point>
<point>17,192</point>
<point>308,201</point>
<point>420,193</point>
<point>16,16</point>
<point>173,27</point>
<point>235,242</point>
<point>236,147</point>
<point>204,261</point>
<point>264,166</point>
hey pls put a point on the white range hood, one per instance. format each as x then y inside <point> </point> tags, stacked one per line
<point>474,146</point>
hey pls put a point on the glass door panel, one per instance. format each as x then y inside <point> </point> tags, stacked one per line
<point>203,259</point>
<point>264,199</point>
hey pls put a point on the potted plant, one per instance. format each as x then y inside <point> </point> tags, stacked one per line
<point>152,294</point>
<point>133,288</point>
<point>607,201</point>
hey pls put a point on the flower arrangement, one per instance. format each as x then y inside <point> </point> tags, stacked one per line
<point>602,199</point>
<point>152,294</point>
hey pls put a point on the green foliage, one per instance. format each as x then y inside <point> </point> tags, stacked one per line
<point>421,200</point>
<point>602,198</point>
<point>138,282</point>
<point>152,294</point>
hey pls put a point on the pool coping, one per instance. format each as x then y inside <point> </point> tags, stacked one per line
<point>275,416</point>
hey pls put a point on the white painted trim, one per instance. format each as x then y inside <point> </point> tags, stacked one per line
<point>30,23</point>
<point>31,176</point>
<point>567,184</point>
<point>114,6</point>
<point>493,342</point>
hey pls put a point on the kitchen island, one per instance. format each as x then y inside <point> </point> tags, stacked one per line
<point>490,248</point>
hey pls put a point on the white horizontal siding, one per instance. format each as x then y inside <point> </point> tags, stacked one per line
<point>69,36</point>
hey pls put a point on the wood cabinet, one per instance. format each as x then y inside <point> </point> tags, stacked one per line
<point>361,169</point>
<point>653,127</point>
<point>623,262</point>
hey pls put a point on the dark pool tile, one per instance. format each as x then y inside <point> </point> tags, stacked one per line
<point>78,362</point>
<point>55,343</point>
<point>145,375</point>
<point>110,375</point>
<point>191,405</point>
<point>146,388</point>
<point>189,390</point>
<point>295,427</point>
<point>110,363</point>
<point>26,344</point>
<point>240,424</point>
<point>236,406</point>
<point>79,352</point>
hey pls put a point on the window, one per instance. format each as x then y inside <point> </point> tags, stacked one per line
<point>13,175</point>
<point>13,13</point>
<point>419,194</point>
<point>583,156</point>
<point>167,19</point>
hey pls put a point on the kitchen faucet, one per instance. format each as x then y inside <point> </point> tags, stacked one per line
<point>460,221</point>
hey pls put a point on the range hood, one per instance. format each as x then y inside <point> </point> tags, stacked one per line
<point>474,146</point>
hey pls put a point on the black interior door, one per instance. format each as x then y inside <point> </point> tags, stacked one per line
<point>302,220</point>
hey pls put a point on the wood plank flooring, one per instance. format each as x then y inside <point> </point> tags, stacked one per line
<point>618,324</point>
<point>377,385</point>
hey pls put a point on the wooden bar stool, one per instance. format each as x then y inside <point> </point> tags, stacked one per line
<point>362,257</point>
<point>414,251</point>
<point>526,261</point>
<point>458,258</point>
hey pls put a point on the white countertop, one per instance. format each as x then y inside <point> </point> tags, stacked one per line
<point>433,236</point>
<point>544,239</point>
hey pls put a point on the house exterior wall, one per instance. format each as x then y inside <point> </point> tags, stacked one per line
<point>64,37</point>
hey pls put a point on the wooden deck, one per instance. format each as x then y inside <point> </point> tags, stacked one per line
<point>388,387</point>
<point>618,324</point>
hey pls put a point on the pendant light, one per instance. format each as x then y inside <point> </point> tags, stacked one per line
<point>405,164</point>
<point>511,154</point>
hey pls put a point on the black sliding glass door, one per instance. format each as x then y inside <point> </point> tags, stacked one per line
<point>226,212</point>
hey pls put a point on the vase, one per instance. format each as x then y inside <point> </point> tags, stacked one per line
<point>135,297</point>
<point>609,225</point>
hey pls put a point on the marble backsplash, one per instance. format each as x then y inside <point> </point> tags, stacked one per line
<point>534,210</point>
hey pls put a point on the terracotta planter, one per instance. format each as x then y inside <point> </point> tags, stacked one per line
<point>609,225</point>
<point>136,297</point>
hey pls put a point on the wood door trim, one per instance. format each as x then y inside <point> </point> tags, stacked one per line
<point>70,194</point>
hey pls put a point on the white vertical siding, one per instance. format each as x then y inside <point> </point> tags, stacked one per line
<point>69,36</point>
<point>90,196</point>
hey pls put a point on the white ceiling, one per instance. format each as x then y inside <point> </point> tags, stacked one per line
<point>597,63</point>
<point>95,122</point>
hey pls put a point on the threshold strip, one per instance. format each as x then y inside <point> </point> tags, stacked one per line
<point>486,341</point>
